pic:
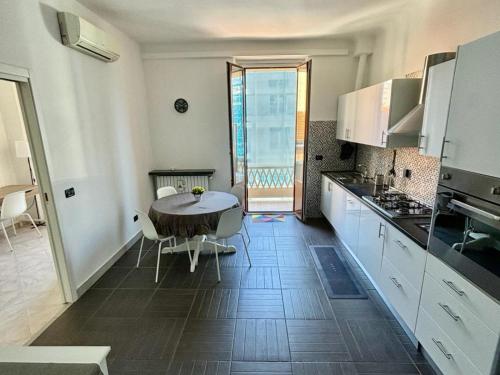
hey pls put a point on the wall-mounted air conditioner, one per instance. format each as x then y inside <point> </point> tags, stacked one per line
<point>81,35</point>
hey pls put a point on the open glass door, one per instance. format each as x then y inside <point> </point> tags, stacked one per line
<point>301,129</point>
<point>237,130</point>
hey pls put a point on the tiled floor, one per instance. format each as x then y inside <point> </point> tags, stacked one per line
<point>262,204</point>
<point>30,296</point>
<point>273,318</point>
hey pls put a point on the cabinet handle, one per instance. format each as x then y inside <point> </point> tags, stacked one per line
<point>401,245</point>
<point>441,347</point>
<point>345,133</point>
<point>443,156</point>
<point>453,287</point>
<point>380,234</point>
<point>382,140</point>
<point>329,186</point>
<point>447,309</point>
<point>420,137</point>
<point>395,282</point>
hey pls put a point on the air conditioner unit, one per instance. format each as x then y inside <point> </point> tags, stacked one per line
<point>81,35</point>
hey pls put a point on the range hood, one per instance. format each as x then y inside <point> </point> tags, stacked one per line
<point>411,123</point>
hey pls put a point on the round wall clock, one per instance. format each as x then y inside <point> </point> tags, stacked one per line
<point>181,105</point>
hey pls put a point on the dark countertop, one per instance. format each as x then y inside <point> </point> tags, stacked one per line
<point>409,226</point>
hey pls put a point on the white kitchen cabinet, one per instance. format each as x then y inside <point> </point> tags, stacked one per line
<point>351,218</point>
<point>326,197</point>
<point>437,102</point>
<point>472,139</point>
<point>338,209</point>
<point>370,241</point>
<point>365,116</point>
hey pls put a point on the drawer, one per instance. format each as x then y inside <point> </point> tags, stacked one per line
<point>444,353</point>
<point>406,255</point>
<point>399,292</point>
<point>470,334</point>
<point>480,304</point>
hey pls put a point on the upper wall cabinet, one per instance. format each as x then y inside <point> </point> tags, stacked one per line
<point>472,139</point>
<point>437,102</point>
<point>366,116</point>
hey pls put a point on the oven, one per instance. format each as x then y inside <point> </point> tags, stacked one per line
<point>465,229</point>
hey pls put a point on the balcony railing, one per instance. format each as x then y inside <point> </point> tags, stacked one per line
<point>270,177</point>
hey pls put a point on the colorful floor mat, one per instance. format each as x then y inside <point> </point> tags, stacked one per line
<point>268,218</point>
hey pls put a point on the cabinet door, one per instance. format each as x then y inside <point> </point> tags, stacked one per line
<point>473,129</point>
<point>345,116</point>
<point>351,227</point>
<point>338,210</point>
<point>326,197</point>
<point>437,102</point>
<point>370,241</point>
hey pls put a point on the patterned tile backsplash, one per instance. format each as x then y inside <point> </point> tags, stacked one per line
<point>424,170</point>
<point>322,141</point>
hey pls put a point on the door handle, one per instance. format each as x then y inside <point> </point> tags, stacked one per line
<point>441,347</point>
<point>447,309</point>
<point>476,210</point>
<point>443,156</point>
<point>380,234</point>
<point>453,287</point>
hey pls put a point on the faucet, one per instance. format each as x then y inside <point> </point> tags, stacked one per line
<point>364,173</point>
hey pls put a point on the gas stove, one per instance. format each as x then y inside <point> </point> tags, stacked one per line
<point>395,204</point>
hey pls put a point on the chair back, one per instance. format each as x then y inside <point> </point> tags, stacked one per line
<point>165,191</point>
<point>230,223</point>
<point>13,205</point>
<point>148,228</point>
<point>239,192</point>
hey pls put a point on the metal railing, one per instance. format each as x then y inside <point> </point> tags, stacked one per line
<point>270,177</point>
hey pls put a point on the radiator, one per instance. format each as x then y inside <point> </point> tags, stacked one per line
<point>182,183</point>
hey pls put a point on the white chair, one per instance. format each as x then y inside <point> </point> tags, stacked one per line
<point>229,225</point>
<point>165,191</point>
<point>149,232</point>
<point>13,206</point>
<point>239,192</point>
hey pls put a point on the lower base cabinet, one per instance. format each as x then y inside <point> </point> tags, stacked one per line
<point>370,241</point>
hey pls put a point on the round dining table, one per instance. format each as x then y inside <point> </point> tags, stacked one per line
<point>182,216</point>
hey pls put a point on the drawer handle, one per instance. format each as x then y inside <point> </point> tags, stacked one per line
<point>401,245</point>
<point>454,287</point>
<point>395,281</point>
<point>441,347</point>
<point>446,308</point>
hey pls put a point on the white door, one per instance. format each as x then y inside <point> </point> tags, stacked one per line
<point>370,241</point>
<point>473,130</point>
<point>437,103</point>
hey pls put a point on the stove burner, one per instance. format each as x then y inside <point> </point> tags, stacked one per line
<point>397,204</point>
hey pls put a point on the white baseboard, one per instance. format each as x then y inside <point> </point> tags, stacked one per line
<point>81,289</point>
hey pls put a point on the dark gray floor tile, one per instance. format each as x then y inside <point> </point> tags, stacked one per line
<point>261,340</point>
<point>207,340</point>
<point>299,278</point>
<point>295,242</point>
<point>153,338</point>
<point>260,230</point>
<point>63,330</point>
<point>372,341</point>
<point>181,277</point>
<point>170,303</point>
<point>142,278</point>
<point>306,304</point>
<point>262,244</point>
<point>261,278</point>
<point>327,368</point>
<point>129,259</point>
<point>166,260</point>
<point>148,244</point>
<point>230,278</point>
<point>288,228</point>
<point>199,367</point>
<point>90,301</point>
<point>355,309</point>
<point>112,278</point>
<point>425,369</point>
<point>261,368</point>
<point>125,303</point>
<point>260,304</point>
<point>215,304</point>
<point>138,367</point>
<point>316,341</point>
<point>385,368</point>
<point>293,258</point>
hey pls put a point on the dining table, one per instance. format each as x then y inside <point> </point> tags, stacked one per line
<point>183,216</point>
<point>30,190</point>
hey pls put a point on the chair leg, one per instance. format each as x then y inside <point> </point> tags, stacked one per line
<point>158,262</point>
<point>217,261</point>
<point>246,249</point>
<point>246,231</point>
<point>7,237</point>
<point>189,251</point>
<point>33,222</point>
<point>14,226</point>
<point>140,252</point>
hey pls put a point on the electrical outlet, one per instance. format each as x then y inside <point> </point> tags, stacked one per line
<point>136,217</point>
<point>319,157</point>
<point>407,173</point>
<point>70,192</point>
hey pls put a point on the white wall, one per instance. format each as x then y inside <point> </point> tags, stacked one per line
<point>200,137</point>
<point>429,26</point>
<point>94,123</point>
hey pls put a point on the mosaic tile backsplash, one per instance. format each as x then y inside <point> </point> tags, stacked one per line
<point>424,170</point>
<point>322,141</point>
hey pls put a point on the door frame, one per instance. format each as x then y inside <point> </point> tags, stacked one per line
<point>23,80</point>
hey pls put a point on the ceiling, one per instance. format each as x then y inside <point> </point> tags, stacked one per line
<point>178,21</point>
